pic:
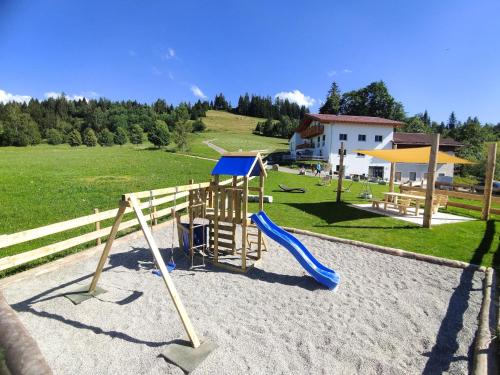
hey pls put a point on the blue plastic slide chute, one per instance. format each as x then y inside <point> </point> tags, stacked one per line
<point>321,274</point>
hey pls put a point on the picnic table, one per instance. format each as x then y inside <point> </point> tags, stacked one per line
<point>392,197</point>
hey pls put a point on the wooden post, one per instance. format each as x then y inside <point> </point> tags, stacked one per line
<point>234,197</point>
<point>261,208</point>
<point>341,172</point>
<point>155,218</point>
<point>107,247</point>
<point>216,218</point>
<point>244,225</point>
<point>97,227</point>
<point>488,183</point>
<point>195,342</point>
<point>392,176</point>
<point>431,180</point>
<point>191,221</point>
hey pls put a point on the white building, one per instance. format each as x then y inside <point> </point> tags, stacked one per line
<point>319,137</point>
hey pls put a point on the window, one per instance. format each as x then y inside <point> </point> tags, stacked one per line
<point>342,137</point>
<point>378,138</point>
<point>413,176</point>
<point>397,177</point>
<point>323,140</point>
<point>360,155</point>
<point>345,151</point>
<point>362,137</point>
<point>337,167</point>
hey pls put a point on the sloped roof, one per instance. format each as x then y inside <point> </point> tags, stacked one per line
<point>346,119</point>
<point>239,164</point>
<point>422,139</point>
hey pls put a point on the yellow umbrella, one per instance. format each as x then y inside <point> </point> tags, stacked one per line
<point>413,155</point>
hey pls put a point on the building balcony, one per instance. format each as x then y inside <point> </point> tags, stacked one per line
<point>312,131</point>
<point>309,154</point>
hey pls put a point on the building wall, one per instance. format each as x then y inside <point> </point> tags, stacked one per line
<point>355,164</point>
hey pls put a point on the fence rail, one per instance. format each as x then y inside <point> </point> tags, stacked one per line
<point>459,194</point>
<point>152,199</point>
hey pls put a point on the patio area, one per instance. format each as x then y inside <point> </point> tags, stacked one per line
<point>437,218</point>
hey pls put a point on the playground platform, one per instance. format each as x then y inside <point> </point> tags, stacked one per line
<point>390,315</point>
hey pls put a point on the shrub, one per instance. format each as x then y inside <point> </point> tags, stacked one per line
<point>106,138</point>
<point>199,126</point>
<point>121,136</point>
<point>74,138</point>
<point>54,137</point>
<point>159,134</point>
<point>89,138</point>
<point>136,134</point>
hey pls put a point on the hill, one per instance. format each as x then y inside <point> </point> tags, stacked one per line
<point>232,133</point>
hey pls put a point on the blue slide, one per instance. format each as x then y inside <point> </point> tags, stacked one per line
<point>321,274</point>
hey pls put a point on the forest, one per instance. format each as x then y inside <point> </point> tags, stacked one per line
<point>105,122</point>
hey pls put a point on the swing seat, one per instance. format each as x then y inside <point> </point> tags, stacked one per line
<point>170,267</point>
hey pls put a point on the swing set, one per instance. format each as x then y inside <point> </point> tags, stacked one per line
<point>215,210</point>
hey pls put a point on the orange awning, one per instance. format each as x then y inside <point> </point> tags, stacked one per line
<point>413,155</point>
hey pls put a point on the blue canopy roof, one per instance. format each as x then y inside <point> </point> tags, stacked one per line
<point>238,165</point>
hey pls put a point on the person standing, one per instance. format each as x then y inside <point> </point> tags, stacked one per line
<point>318,169</point>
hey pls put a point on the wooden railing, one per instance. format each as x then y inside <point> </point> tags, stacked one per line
<point>150,199</point>
<point>458,194</point>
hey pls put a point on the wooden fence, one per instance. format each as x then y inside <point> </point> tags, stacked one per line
<point>150,199</point>
<point>459,194</point>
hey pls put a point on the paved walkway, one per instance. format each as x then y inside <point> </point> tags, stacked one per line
<point>437,218</point>
<point>218,149</point>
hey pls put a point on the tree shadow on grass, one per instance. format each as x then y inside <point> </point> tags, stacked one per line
<point>333,213</point>
<point>443,352</point>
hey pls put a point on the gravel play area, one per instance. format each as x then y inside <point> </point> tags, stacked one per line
<point>390,315</point>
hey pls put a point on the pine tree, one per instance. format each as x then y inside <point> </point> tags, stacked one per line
<point>89,138</point>
<point>332,102</point>
<point>136,134</point>
<point>106,138</point>
<point>54,137</point>
<point>74,138</point>
<point>452,121</point>
<point>121,136</point>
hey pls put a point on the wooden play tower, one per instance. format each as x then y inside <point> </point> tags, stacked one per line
<point>222,210</point>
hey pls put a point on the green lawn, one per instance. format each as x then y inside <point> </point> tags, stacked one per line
<point>46,184</point>
<point>476,241</point>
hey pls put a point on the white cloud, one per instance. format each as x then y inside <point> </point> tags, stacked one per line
<point>170,54</point>
<point>347,71</point>
<point>132,53</point>
<point>331,73</point>
<point>197,92</point>
<point>85,95</point>
<point>156,71</point>
<point>297,97</point>
<point>6,97</point>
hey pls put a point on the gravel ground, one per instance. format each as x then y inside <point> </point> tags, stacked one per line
<point>390,315</point>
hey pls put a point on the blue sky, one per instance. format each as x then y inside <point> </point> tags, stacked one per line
<point>435,55</point>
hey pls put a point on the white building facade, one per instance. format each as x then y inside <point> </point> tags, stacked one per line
<point>319,137</point>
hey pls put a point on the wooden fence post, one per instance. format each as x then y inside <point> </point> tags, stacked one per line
<point>341,172</point>
<point>97,227</point>
<point>392,175</point>
<point>431,180</point>
<point>488,183</point>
